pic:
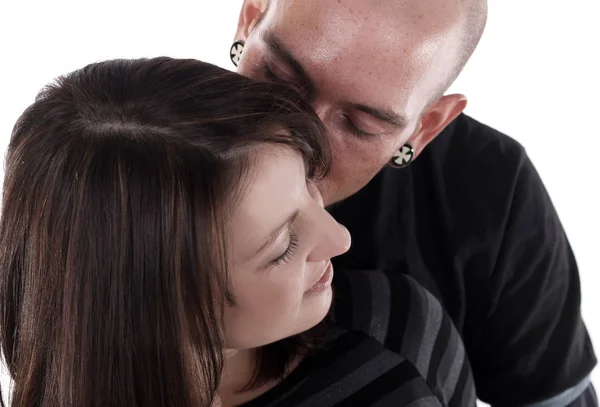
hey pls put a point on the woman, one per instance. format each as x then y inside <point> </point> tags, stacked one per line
<point>163,245</point>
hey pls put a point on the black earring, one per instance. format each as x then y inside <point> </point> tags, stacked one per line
<point>235,53</point>
<point>403,157</point>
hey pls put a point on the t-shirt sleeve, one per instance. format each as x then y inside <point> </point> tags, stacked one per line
<point>422,332</point>
<point>402,315</point>
<point>532,343</point>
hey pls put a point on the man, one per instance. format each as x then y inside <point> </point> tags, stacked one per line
<point>470,219</point>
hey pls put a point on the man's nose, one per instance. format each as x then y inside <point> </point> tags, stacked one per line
<point>322,107</point>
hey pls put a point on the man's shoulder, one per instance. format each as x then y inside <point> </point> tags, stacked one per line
<point>471,149</point>
<point>467,156</point>
<point>474,136</point>
<point>471,170</point>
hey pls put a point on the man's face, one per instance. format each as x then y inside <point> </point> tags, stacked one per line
<point>368,72</point>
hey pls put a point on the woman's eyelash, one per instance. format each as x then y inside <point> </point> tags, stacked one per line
<point>286,256</point>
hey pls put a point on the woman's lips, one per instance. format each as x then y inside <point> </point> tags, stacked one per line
<point>324,282</point>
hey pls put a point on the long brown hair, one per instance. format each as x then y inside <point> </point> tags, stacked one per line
<point>113,271</point>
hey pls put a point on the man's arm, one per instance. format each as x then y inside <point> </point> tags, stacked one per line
<point>581,395</point>
<point>587,399</point>
<point>532,344</point>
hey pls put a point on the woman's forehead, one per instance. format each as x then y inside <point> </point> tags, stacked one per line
<point>276,191</point>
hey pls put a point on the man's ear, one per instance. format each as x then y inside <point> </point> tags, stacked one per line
<point>251,13</point>
<point>435,119</point>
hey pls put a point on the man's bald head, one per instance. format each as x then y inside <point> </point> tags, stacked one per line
<point>468,16</point>
<point>474,20</point>
<point>375,70</point>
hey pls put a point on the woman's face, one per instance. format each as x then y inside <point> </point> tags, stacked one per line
<point>281,241</point>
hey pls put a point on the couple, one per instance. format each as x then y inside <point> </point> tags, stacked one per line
<point>469,220</point>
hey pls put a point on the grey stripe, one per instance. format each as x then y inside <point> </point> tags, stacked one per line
<point>354,381</point>
<point>432,328</point>
<point>451,366</point>
<point>361,304</point>
<point>418,309</point>
<point>419,348</point>
<point>415,391</point>
<point>430,401</point>
<point>283,398</point>
<point>380,305</point>
<point>469,396</point>
<point>566,397</point>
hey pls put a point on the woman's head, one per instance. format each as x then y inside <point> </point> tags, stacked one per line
<point>136,237</point>
<point>287,238</point>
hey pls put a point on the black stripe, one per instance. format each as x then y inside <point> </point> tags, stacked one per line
<point>426,402</point>
<point>438,352</point>
<point>382,386</point>
<point>351,351</point>
<point>344,344</point>
<point>413,392</point>
<point>380,305</point>
<point>464,393</point>
<point>398,312</point>
<point>451,365</point>
<point>358,378</point>
<point>361,302</point>
<point>433,314</point>
<point>342,304</point>
<point>415,328</point>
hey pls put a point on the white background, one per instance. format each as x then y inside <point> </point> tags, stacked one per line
<point>534,77</point>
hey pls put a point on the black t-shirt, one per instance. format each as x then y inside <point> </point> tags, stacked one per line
<point>472,222</point>
<point>390,345</point>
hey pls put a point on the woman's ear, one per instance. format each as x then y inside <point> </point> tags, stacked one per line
<point>435,119</point>
<point>251,13</point>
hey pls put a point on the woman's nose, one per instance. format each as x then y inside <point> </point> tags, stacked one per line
<point>315,194</point>
<point>344,240</point>
<point>333,239</point>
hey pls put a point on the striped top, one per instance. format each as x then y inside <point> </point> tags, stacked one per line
<point>392,345</point>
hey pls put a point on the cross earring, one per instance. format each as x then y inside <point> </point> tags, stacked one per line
<point>403,157</point>
<point>235,53</point>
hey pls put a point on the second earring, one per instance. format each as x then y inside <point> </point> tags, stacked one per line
<point>235,53</point>
<point>403,157</point>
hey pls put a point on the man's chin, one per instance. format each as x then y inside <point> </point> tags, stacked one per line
<point>334,200</point>
<point>336,192</point>
<point>331,198</point>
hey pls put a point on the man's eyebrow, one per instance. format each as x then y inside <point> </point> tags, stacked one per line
<point>387,116</point>
<point>276,47</point>
<point>275,233</point>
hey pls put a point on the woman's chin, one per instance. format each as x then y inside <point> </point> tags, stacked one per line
<point>316,308</point>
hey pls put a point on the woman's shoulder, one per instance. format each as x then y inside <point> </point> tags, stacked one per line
<point>407,320</point>
<point>353,369</point>
<point>391,344</point>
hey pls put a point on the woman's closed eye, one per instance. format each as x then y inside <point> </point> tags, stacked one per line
<point>288,253</point>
